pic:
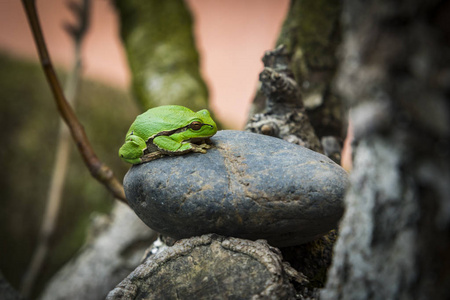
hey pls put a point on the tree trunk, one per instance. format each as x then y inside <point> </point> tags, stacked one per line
<point>211,267</point>
<point>164,62</point>
<point>395,236</point>
<point>311,35</point>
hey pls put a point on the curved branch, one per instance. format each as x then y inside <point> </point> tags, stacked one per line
<point>98,170</point>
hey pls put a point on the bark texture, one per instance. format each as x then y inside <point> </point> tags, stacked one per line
<point>211,267</point>
<point>284,116</point>
<point>311,35</point>
<point>395,236</point>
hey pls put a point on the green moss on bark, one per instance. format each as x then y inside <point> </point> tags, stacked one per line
<point>311,34</point>
<point>161,53</point>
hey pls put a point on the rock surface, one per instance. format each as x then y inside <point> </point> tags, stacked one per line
<point>248,186</point>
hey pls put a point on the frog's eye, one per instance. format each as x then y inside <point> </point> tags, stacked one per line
<point>195,125</point>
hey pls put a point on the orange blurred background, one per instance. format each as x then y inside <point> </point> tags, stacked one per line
<point>231,36</point>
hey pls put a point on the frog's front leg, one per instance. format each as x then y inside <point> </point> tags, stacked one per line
<point>133,149</point>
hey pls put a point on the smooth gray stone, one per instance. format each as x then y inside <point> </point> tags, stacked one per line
<point>248,186</point>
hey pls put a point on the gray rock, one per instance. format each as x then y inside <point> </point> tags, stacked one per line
<point>248,186</point>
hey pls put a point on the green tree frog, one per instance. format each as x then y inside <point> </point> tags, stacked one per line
<point>168,129</point>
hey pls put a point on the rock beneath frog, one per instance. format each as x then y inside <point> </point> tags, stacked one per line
<point>248,186</point>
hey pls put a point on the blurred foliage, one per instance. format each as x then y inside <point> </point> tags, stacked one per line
<point>161,52</point>
<point>29,132</point>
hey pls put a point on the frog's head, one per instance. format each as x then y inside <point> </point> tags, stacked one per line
<point>202,126</point>
<point>132,150</point>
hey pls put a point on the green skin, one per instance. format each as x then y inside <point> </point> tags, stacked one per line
<point>168,129</point>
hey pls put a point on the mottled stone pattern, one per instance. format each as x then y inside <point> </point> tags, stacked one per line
<point>248,186</point>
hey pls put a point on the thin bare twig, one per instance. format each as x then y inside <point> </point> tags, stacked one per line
<point>56,187</point>
<point>97,169</point>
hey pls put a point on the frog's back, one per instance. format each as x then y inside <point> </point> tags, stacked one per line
<point>161,118</point>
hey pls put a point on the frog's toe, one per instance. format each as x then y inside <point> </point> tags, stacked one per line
<point>199,150</point>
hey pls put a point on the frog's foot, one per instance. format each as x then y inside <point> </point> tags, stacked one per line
<point>206,146</point>
<point>200,148</point>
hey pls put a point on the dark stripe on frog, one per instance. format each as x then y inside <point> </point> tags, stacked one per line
<point>170,132</point>
<point>166,133</point>
<point>152,147</point>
